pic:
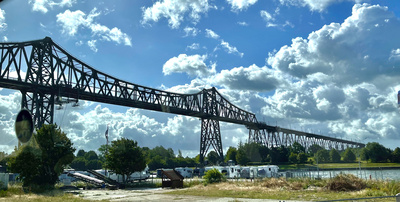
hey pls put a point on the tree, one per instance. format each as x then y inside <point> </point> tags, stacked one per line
<point>231,154</point>
<point>241,156</point>
<point>297,148</point>
<point>264,153</point>
<point>375,152</point>
<point>293,157</point>
<point>79,163</point>
<point>41,162</point>
<point>322,156</point>
<point>313,149</point>
<point>81,153</point>
<point>213,158</point>
<point>334,156</point>
<point>302,158</point>
<point>396,155</point>
<point>91,155</point>
<point>125,157</point>
<point>349,156</point>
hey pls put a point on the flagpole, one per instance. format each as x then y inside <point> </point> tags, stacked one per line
<point>106,134</point>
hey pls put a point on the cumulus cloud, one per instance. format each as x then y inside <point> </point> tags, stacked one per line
<point>44,5</point>
<point>313,5</point>
<point>3,24</point>
<point>238,5</point>
<point>253,78</point>
<point>175,11</point>
<point>344,49</point>
<point>343,76</point>
<point>193,65</point>
<point>71,21</point>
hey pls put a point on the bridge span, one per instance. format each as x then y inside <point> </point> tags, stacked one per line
<point>45,74</point>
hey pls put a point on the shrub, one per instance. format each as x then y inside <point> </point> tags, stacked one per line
<point>346,182</point>
<point>213,176</point>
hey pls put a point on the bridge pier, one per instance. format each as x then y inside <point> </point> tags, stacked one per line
<point>210,136</point>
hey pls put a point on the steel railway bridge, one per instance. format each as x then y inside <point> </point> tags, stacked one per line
<point>46,75</point>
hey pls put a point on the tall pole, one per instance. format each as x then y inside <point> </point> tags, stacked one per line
<point>106,134</point>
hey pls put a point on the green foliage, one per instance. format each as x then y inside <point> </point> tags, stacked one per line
<point>91,155</point>
<point>293,157</point>
<point>396,155</point>
<point>334,156</point>
<point>279,154</point>
<point>297,148</point>
<point>125,157</point>
<point>375,152</point>
<point>302,158</point>
<point>40,165</point>
<point>349,156</point>
<point>213,176</point>
<point>322,156</point>
<point>313,149</point>
<point>81,153</point>
<point>241,156</point>
<point>213,158</point>
<point>79,163</point>
<point>231,154</point>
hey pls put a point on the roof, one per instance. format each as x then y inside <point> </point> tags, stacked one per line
<point>173,175</point>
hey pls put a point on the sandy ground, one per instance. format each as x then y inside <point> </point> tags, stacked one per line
<point>151,194</point>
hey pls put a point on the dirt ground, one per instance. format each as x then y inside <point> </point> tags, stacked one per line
<point>151,194</point>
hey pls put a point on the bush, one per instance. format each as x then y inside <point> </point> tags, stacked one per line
<point>213,176</point>
<point>346,182</point>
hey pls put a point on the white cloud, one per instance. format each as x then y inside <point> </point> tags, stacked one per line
<point>194,46</point>
<point>3,24</point>
<point>230,49</point>
<point>253,78</point>
<point>193,65</point>
<point>92,45</point>
<point>72,21</point>
<point>243,24</point>
<point>238,5</point>
<point>175,11</point>
<point>271,20</point>
<point>211,34</point>
<point>344,76</point>
<point>340,49</point>
<point>266,16</point>
<point>314,5</point>
<point>395,54</point>
<point>191,31</point>
<point>44,5</point>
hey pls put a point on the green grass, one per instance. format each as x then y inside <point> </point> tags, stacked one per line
<point>16,193</point>
<point>364,164</point>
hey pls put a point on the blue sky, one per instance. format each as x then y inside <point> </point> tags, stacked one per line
<point>329,67</point>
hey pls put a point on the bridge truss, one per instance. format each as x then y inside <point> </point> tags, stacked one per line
<point>46,74</point>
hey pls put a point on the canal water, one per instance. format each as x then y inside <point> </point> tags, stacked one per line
<point>381,174</point>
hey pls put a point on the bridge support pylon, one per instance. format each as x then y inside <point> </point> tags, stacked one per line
<point>210,136</point>
<point>41,107</point>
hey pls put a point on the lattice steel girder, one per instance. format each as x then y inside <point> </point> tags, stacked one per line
<point>210,136</point>
<point>40,105</point>
<point>47,64</point>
